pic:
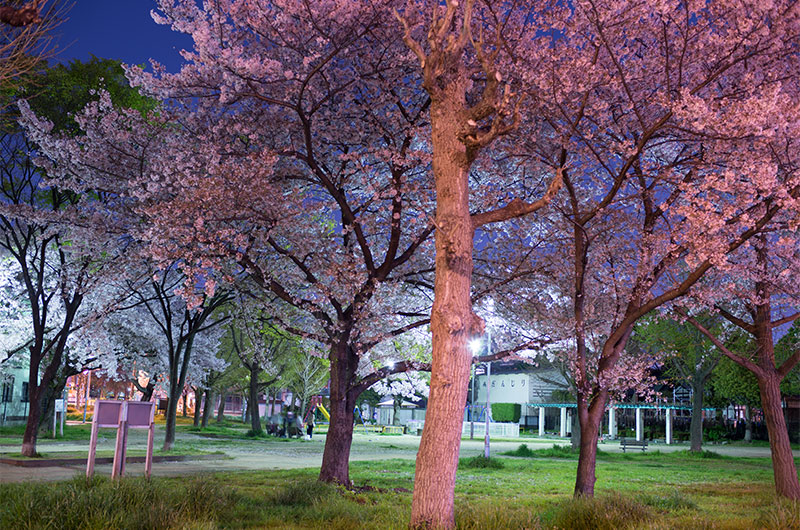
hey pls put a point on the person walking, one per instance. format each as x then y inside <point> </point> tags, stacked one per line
<point>310,427</point>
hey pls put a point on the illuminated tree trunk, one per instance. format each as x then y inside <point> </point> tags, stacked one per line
<point>590,416</point>
<point>336,457</point>
<point>786,482</point>
<point>452,320</point>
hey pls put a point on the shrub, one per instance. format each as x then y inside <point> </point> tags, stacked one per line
<point>509,412</point>
<point>557,451</point>
<point>522,450</point>
<point>601,513</point>
<point>304,493</point>
<point>480,462</point>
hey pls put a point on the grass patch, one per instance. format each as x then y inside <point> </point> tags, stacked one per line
<point>102,503</point>
<point>12,434</point>
<point>480,462</point>
<point>674,500</point>
<point>782,514</point>
<point>525,493</point>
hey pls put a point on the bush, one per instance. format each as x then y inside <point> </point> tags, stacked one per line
<point>509,412</point>
<point>480,462</point>
<point>557,451</point>
<point>522,450</point>
<point>601,513</point>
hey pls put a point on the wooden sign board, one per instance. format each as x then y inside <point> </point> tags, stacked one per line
<point>122,415</point>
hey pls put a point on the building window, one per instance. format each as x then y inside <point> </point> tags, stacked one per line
<point>24,392</point>
<point>8,390</point>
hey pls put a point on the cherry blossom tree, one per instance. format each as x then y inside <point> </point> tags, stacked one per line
<point>400,387</point>
<point>676,121</point>
<point>467,54</point>
<point>177,333</point>
<point>291,151</point>
<point>64,258</point>
<point>758,294</point>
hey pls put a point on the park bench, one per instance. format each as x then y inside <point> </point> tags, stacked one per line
<point>627,442</point>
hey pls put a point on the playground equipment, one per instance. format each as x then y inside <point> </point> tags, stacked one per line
<point>316,403</point>
<point>361,417</point>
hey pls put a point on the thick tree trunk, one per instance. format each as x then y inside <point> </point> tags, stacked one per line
<point>185,401</point>
<point>198,399</point>
<point>336,456</point>
<point>453,322</point>
<point>252,405</point>
<point>171,417</point>
<point>786,482</point>
<point>208,407</point>
<point>221,408</point>
<point>32,427</point>
<point>590,415</point>
<point>696,426</point>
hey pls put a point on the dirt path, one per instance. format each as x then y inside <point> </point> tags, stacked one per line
<point>292,454</point>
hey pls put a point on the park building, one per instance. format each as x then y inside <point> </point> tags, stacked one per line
<point>14,400</point>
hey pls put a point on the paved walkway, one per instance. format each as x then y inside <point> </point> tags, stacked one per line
<point>294,454</point>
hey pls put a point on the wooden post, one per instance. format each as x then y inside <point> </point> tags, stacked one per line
<point>118,468</point>
<point>148,463</point>
<point>92,448</point>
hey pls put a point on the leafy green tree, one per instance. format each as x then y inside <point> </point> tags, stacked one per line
<point>690,358</point>
<point>737,385</point>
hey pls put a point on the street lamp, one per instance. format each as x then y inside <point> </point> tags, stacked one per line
<point>475,345</point>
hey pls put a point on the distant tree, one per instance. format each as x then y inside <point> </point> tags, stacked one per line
<point>262,350</point>
<point>689,358</point>
<point>62,257</point>
<point>176,331</point>
<point>26,40</point>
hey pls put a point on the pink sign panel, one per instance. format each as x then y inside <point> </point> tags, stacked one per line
<point>108,413</point>
<point>139,413</point>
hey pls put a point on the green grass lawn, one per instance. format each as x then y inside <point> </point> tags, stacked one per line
<point>644,490</point>
<point>12,434</point>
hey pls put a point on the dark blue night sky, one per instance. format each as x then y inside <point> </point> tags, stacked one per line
<point>119,29</point>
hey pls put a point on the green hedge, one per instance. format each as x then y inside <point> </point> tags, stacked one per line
<point>506,412</point>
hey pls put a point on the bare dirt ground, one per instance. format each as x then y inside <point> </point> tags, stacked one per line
<point>284,454</point>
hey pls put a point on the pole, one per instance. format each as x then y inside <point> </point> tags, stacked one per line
<point>86,398</point>
<point>488,387</point>
<point>472,407</point>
